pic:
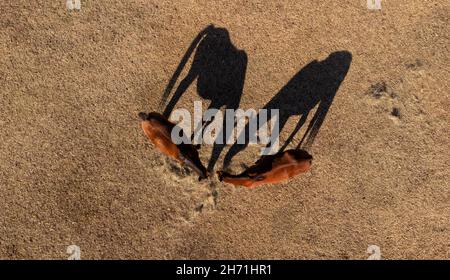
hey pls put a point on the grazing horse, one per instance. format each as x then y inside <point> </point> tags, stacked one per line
<point>271,169</point>
<point>158,129</point>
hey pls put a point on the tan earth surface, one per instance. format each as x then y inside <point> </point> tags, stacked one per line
<point>75,167</point>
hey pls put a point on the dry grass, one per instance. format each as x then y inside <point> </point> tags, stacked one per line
<point>76,169</point>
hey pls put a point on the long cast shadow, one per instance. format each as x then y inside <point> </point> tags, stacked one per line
<point>219,68</point>
<point>315,84</point>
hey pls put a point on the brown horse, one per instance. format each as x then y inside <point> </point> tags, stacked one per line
<point>158,129</point>
<point>271,169</point>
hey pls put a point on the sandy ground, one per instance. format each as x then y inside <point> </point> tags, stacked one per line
<point>75,167</point>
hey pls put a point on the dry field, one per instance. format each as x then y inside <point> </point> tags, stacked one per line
<point>75,167</point>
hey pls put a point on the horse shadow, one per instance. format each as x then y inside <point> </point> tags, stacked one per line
<point>314,85</point>
<point>219,68</point>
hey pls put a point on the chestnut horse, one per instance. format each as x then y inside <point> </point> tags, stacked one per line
<point>158,129</point>
<point>271,169</point>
